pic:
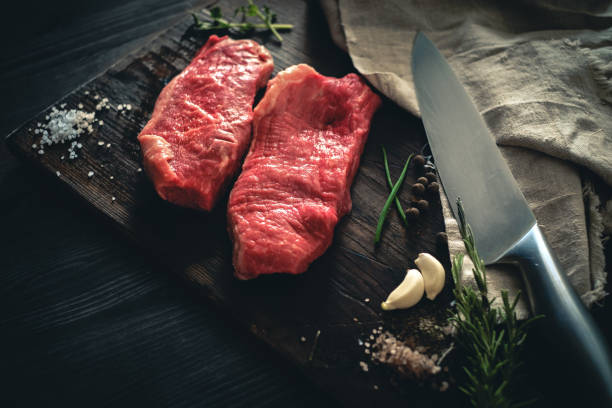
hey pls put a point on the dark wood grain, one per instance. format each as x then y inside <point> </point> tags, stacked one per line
<point>279,310</point>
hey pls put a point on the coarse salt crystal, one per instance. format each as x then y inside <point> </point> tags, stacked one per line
<point>62,158</point>
<point>112,177</point>
<point>58,173</point>
<point>101,122</point>
<point>108,145</point>
<point>113,198</point>
<point>390,350</point>
<point>64,126</point>
<point>90,174</point>
<point>80,106</point>
<point>100,143</point>
<point>103,104</point>
<point>86,92</point>
<point>96,97</point>
<point>41,151</point>
<point>139,170</point>
<point>34,146</point>
<point>128,106</point>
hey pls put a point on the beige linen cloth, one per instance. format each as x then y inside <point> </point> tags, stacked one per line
<point>540,74</point>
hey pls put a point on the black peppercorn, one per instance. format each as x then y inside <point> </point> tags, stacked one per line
<point>413,212</point>
<point>418,160</point>
<point>422,180</point>
<point>423,205</point>
<point>418,188</point>
<point>442,238</point>
<point>431,176</point>
<point>433,187</point>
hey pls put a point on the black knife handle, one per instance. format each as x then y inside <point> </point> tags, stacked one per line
<point>552,295</point>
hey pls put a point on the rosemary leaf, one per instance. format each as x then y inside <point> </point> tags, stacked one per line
<point>490,337</point>
<point>216,21</point>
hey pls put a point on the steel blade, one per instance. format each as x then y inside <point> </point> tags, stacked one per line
<point>469,162</point>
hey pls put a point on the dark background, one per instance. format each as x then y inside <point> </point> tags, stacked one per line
<point>85,318</point>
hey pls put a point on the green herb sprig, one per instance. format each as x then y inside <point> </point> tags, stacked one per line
<point>390,199</point>
<point>490,337</point>
<point>398,205</point>
<point>218,22</point>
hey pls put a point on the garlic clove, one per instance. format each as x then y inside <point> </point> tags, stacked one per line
<point>407,294</point>
<point>433,274</point>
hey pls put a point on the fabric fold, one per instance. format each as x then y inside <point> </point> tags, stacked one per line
<point>540,74</point>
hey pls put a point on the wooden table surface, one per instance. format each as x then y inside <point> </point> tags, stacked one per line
<point>85,318</point>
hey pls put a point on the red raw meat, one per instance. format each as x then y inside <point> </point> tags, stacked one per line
<point>309,133</point>
<point>201,124</point>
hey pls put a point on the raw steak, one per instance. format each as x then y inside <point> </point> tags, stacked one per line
<point>201,124</point>
<point>309,133</point>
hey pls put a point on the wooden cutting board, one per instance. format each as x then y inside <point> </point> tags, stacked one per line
<point>340,295</point>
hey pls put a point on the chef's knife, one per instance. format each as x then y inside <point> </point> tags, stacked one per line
<point>471,167</point>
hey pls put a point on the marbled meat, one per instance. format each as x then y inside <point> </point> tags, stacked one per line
<point>309,133</point>
<point>201,124</point>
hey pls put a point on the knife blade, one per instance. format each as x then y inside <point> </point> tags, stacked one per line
<point>471,166</point>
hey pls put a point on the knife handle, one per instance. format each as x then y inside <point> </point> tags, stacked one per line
<point>551,294</point>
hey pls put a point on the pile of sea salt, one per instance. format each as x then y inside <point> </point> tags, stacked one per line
<point>64,126</point>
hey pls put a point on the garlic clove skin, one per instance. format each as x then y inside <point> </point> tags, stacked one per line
<point>433,274</point>
<point>407,294</point>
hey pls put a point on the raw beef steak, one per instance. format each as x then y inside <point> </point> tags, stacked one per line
<point>201,124</point>
<point>309,133</point>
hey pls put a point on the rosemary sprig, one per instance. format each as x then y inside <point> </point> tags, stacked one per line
<point>491,337</point>
<point>398,205</point>
<point>218,22</point>
<point>392,195</point>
